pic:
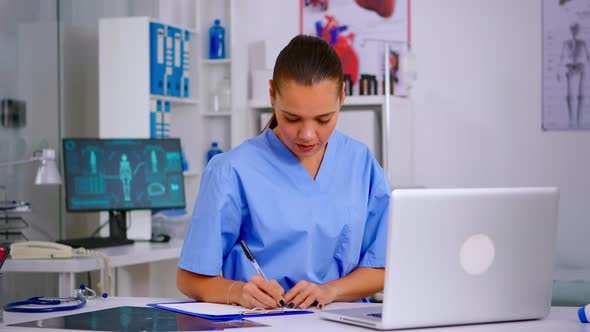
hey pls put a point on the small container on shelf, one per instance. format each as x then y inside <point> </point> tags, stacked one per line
<point>213,150</point>
<point>221,97</point>
<point>217,40</point>
<point>224,92</point>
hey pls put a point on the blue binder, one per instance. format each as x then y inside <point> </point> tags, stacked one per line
<point>157,65</point>
<point>155,111</point>
<point>168,63</point>
<point>174,62</point>
<point>186,65</point>
<point>166,121</point>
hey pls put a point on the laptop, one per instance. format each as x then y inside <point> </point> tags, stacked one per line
<point>464,256</point>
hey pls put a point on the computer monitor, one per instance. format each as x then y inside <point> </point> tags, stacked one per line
<point>118,175</point>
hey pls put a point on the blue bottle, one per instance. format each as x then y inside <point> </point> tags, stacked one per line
<point>216,41</point>
<point>213,150</point>
<point>183,161</point>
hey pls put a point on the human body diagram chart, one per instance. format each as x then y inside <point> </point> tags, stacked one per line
<point>566,64</point>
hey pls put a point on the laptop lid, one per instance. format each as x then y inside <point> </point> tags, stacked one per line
<point>460,256</point>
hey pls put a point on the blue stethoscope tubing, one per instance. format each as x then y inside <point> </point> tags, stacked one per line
<point>79,295</point>
<point>38,300</point>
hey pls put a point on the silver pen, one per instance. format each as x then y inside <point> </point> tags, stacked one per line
<point>256,266</point>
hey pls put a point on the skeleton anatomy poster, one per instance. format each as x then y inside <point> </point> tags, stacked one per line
<point>566,64</point>
<point>358,31</point>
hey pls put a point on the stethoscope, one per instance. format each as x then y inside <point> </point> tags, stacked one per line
<point>81,296</point>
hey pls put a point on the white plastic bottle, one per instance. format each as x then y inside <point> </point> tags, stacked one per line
<point>224,93</point>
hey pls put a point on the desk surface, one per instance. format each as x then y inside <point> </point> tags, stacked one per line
<point>137,253</point>
<point>562,319</point>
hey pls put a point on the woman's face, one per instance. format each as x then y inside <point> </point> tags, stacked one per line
<point>306,115</point>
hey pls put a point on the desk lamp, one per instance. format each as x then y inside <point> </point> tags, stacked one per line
<point>47,173</point>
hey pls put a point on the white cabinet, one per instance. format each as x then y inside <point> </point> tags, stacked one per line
<point>125,98</point>
<point>365,119</point>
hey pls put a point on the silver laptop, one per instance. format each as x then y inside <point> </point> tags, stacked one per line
<point>461,256</point>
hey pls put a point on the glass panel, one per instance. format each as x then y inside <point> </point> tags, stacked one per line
<point>29,106</point>
<point>29,120</point>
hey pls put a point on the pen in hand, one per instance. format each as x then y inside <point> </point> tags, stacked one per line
<point>256,266</point>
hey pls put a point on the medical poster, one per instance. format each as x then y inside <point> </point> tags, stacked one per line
<point>566,64</point>
<point>358,30</point>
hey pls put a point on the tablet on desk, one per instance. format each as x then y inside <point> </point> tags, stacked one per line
<point>127,318</point>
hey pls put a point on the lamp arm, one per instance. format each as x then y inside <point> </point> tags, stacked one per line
<point>19,162</point>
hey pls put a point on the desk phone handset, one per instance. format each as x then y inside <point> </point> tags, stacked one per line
<point>40,250</point>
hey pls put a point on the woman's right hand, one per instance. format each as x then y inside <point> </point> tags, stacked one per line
<point>260,293</point>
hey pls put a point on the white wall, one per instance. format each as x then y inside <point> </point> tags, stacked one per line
<point>255,21</point>
<point>478,110</point>
<point>477,102</point>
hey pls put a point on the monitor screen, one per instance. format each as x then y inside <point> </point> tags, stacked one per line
<point>123,174</point>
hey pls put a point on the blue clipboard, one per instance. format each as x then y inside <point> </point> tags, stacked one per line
<point>240,313</point>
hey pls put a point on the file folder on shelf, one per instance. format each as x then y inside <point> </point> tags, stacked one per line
<point>174,62</point>
<point>214,311</point>
<point>157,65</point>
<point>169,62</point>
<point>155,111</point>
<point>160,119</point>
<point>186,64</point>
<point>165,121</point>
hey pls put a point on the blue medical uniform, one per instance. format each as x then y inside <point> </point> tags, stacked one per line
<point>297,228</point>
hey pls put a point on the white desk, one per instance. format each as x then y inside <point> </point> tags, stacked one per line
<point>137,253</point>
<point>561,319</point>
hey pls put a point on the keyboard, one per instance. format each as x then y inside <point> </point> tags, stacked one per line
<point>95,242</point>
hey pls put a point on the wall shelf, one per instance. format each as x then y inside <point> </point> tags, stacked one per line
<point>377,100</point>
<point>216,114</point>
<point>216,61</point>
<point>176,100</point>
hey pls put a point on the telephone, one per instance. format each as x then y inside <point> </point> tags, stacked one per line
<point>40,250</point>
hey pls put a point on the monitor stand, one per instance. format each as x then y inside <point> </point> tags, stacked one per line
<point>117,231</point>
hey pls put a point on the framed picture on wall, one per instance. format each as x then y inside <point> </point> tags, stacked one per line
<point>359,30</point>
<point>566,65</point>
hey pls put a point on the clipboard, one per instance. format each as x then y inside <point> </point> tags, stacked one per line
<point>214,311</point>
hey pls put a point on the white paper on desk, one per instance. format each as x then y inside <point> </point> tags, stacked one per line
<point>214,309</point>
<point>205,308</point>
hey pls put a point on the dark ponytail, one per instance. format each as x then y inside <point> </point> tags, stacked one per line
<point>307,60</point>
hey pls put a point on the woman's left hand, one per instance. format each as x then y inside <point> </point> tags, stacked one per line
<point>306,293</point>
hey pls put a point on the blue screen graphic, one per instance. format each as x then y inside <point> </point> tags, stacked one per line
<point>123,174</point>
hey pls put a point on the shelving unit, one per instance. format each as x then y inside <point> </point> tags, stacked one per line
<point>215,126</point>
<point>396,139</point>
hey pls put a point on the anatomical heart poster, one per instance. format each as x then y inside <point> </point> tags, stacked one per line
<point>360,31</point>
<point>566,64</point>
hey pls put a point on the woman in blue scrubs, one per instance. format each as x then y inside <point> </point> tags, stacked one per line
<point>310,202</point>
